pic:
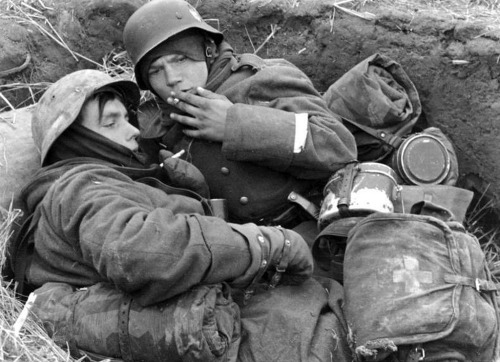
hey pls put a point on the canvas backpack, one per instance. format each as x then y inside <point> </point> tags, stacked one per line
<point>418,289</point>
<point>378,103</point>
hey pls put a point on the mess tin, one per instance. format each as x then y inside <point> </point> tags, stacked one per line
<point>421,159</point>
<point>359,189</point>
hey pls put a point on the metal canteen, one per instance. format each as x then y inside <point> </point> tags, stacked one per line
<point>421,159</point>
<point>374,188</point>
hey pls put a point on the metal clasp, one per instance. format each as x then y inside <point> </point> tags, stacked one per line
<point>421,352</point>
<point>478,284</point>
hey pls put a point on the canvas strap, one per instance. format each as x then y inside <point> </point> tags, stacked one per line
<point>304,203</point>
<point>284,260</point>
<point>384,136</point>
<point>350,172</point>
<point>123,335</point>
<point>481,285</point>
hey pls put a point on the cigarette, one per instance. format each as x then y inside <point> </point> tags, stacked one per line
<point>179,154</point>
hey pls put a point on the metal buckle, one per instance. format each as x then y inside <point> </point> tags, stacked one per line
<point>421,352</point>
<point>478,284</point>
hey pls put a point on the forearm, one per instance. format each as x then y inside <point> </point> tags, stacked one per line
<point>288,141</point>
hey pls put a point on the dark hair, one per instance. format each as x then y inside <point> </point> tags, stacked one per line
<point>103,96</point>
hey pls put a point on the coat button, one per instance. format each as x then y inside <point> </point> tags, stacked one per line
<point>224,171</point>
<point>243,200</point>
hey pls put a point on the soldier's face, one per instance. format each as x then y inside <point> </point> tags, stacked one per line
<point>113,123</point>
<point>176,73</point>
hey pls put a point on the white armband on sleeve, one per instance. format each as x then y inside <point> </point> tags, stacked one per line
<point>301,128</point>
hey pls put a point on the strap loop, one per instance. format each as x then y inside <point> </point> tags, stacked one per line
<point>283,261</point>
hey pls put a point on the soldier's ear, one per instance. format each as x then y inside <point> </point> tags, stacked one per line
<point>211,50</point>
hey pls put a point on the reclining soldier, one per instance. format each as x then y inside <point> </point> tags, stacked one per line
<point>257,129</point>
<point>130,267</point>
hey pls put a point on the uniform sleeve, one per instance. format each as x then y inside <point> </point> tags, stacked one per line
<point>285,124</point>
<point>148,244</point>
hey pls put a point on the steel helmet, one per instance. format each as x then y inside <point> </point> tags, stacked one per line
<point>61,103</point>
<point>157,21</point>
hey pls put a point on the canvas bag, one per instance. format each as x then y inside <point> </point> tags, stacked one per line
<point>418,288</point>
<point>378,103</point>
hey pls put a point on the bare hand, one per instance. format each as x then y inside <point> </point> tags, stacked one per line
<point>207,113</point>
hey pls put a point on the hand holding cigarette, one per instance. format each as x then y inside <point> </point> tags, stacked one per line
<point>177,155</point>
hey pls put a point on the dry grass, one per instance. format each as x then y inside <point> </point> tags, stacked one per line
<point>22,341</point>
<point>484,12</point>
<point>461,9</point>
<point>488,235</point>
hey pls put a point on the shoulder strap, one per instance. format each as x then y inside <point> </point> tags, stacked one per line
<point>384,136</point>
<point>248,59</point>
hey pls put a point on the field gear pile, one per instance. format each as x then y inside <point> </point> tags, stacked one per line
<point>392,233</point>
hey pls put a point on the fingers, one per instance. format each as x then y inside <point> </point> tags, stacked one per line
<point>207,94</point>
<point>196,98</point>
<point>195,128</point>
<point>179,99</point>
<point>185,120</point>
<point>164,154</point>
<point>189,105</point>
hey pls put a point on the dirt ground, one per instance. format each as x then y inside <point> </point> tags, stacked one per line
<point>451,54</point>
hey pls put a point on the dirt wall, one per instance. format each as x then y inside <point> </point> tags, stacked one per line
<point>454,63</point>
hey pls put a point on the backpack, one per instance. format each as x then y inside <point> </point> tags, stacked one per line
<point>378,103</point>
<point>418,288</point>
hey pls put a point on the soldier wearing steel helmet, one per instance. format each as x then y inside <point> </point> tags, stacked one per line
<point>257,129</point>
<point>127,266</point>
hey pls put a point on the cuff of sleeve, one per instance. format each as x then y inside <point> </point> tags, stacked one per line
<point>258,261</point>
